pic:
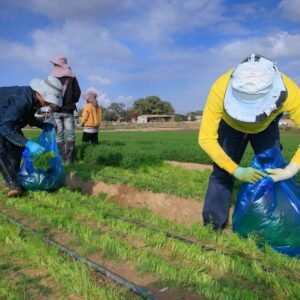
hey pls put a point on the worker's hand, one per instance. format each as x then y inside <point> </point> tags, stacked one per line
<point>282,174</point>
<point>35,148</point>
<point>249,174</point>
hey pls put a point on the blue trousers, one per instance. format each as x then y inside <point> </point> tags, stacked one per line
<point>234,143</point>
<point>65,125</point>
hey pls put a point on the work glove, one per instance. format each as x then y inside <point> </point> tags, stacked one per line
<point>249,174</point>
<point>282,174</point>
<point>34,148</point>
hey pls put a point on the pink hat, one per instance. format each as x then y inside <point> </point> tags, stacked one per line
<point>61,61</point>
<point>89,95</point>
<point>61,67</point>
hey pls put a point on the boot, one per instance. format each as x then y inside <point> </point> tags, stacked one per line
<point>10,177</point>
<point>62,151</point>
<point>70,152</point>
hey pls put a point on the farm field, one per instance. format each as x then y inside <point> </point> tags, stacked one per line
<point>169,259</point>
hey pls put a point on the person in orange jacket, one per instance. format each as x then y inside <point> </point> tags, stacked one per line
<point>244,105</point>
<point>91,118</point>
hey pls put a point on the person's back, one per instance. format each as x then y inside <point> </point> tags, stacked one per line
<point>91,118</point>
<point>18,105</point>
<point>65,117</point>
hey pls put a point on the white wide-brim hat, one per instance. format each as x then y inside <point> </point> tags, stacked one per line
<point>255,90</point>
<point>50,89</point>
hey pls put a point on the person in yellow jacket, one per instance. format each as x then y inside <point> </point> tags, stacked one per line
<point>91,118</point>
<point>244,105</point>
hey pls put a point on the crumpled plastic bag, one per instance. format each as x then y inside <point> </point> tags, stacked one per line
<point>270,210</point>
<point>32,178</point>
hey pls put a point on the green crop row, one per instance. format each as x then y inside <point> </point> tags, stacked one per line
<point>31,270</point>
<point>211,274</point>
<point>152,147</point>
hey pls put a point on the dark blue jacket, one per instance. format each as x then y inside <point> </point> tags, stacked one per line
<point>18,104</point>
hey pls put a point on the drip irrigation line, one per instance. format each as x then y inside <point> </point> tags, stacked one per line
<point>179,238</point>
<point>139,290</point>
<point>154,229</point>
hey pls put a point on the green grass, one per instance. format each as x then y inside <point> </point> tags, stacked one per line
<point>136,159</point>
<point>169,145</point>
<point>29,269</point>
<point>237,270</point>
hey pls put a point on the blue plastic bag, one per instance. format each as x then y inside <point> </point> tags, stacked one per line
<point>270,210</point>
<point>32,178</point>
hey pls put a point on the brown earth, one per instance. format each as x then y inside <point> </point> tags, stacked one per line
<point>190,166</point>
<point>182,210</point>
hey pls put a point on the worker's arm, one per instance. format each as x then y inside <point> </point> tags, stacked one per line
<point>292,107</point>
<point>85,115</point>
<point>11,119</point>
<point>212,115</point>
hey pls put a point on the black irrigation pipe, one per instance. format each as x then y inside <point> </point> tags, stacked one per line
<point>139,290</point>
<point>176,237</point>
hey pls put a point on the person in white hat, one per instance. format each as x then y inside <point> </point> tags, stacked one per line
<point>244,105</point>
<point>18,105</point>
<point>64,118</point>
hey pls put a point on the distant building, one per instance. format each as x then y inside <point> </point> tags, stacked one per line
<point>155,118</point>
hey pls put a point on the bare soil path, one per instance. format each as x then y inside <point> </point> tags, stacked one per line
<point>182,210</point>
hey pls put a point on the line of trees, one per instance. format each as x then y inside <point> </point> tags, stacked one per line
<point>151,105</point>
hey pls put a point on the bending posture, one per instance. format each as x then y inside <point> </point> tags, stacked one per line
<point>64,118</point>
<point>244,105</point>
<point>18,106</point>
<point>91,118</point>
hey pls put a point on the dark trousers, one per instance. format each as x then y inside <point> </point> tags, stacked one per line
<point>234,143</point>
<point>11,153</point>
<point>90,137</point>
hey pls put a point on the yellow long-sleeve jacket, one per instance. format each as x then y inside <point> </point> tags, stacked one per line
<point>91,116</point>
<point>214,112</point>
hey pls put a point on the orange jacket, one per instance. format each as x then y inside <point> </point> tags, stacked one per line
<point>91,116</point>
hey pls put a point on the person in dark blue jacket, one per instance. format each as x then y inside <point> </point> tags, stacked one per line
<point>18,105</point>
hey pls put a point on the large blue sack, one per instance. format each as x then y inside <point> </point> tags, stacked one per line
<point>270,210</point>
<point>32,178</point>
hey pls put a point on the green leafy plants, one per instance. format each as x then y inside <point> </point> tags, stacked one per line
<point>42,161</point>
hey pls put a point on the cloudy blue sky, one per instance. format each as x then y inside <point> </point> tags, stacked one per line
<point>130,49</point>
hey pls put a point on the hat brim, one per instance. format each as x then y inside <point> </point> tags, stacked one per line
<point>59,64</point>
<point>62,72</point>
<point>38,85</point>
<point>87,96</point>
<point>241,107</point>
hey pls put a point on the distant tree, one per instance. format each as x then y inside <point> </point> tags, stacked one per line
<point>180,118</point>
<point>115,112</point>
<point>196,113</point>
<point>152,105</point>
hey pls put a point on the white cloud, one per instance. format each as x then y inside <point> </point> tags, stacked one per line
<point>99,80</point>
<point>85,44</point>
<point>103,99</point>
<point>76,10</point>
<point>291,9</point>
<point>279,45</point>
<point>156,21</point>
